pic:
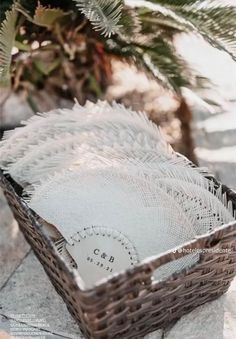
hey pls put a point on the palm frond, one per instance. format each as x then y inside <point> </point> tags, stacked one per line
<point>177,3</point>
<point>161,12</point>
<point>24,11</point>
<point>41,15</point>
<point>158,56</point>
<point>160,20</point>
<point>46,16</point>
<point>216,23</point>
<point>162,60</point>
<point>130,23</point>
<point>7,39</point>
<point>4,6</point>
<point>104,15</point>
<point>141,30</point>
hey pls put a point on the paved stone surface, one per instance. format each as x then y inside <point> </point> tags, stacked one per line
<point>14,110</point>
<point>216,319</point>
<point>13,247</point>
<point>30,295</point>
<point>11,329</point>
<point>215,139</point>
<point>216,145</point>
<point>37,305</point>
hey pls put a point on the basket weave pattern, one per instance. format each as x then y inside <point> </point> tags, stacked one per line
<point>130,305</point>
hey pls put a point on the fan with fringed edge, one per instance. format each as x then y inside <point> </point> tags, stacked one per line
<point>108,167</point>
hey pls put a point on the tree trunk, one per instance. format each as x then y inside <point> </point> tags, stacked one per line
<point>184,114</point>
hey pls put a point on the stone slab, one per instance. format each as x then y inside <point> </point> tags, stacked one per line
<point>30,295</point>
<point>11,329</point>
<point>215,140</point>
<point>13,247</point>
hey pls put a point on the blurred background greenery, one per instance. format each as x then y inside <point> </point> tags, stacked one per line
<point>71,49</point>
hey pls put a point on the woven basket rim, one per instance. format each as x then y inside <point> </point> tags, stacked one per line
<point>4,182</point>
<point>151,263</point>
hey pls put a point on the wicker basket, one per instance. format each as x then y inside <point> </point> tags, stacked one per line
<point>130,305</point>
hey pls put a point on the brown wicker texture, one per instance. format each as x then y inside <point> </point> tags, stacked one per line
<point>129,305</point>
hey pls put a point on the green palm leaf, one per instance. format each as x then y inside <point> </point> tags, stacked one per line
<point>141,30</point>
<point>158,21</point>
<point>104,15</point>
<point>176,3</point>
<point>217,24</point>
<point>158,57</point>
<point>161,12</point>
<point>7,39</point>
<point>162,19</point>
<point>163,62</point>
<point>46,16</point>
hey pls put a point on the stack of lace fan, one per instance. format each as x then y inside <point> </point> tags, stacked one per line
<point>106,171</point>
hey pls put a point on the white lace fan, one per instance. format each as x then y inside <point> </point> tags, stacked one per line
<point>201,201</point>
<point>48,141</point>
<point>111,184</point>
<point>198,196</point>
<point>114,121</point>
<point>45,157</point>
<point>149,213</point>
<point>114,200</point>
